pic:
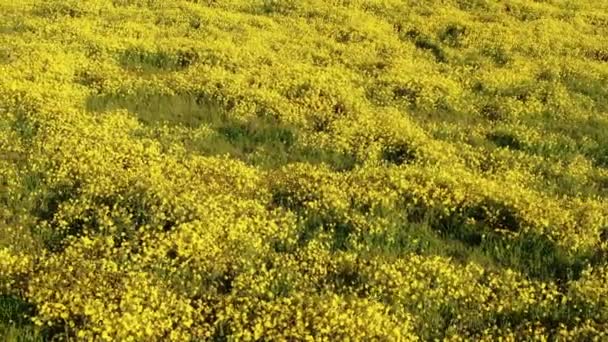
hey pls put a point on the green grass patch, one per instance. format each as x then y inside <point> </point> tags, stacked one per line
<point>154,109</point>
<point>138,59</point>
<point>529,253</point>
<point>260,141</point>
<point>15,325</point>
<point>12,333</point>
<point>14,311</point>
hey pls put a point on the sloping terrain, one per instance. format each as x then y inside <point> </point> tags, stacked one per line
<point>303,169</point>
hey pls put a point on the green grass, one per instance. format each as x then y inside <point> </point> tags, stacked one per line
<point>14,324</point>
<point>260,141</point>
<point>186,110</point>
<point>12,333</point>
<point>136,59</point>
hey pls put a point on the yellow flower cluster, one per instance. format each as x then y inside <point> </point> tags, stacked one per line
<point>12,267</point>
<point>304,169</point>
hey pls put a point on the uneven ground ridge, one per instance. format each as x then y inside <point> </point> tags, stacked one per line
<point>285,170</point>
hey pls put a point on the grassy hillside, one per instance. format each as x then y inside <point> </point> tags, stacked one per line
<point>222,170</point>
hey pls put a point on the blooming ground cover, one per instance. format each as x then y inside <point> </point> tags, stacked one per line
<point>391,170</point>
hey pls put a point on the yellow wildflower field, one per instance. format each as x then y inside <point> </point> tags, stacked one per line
<point>318,170</point>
